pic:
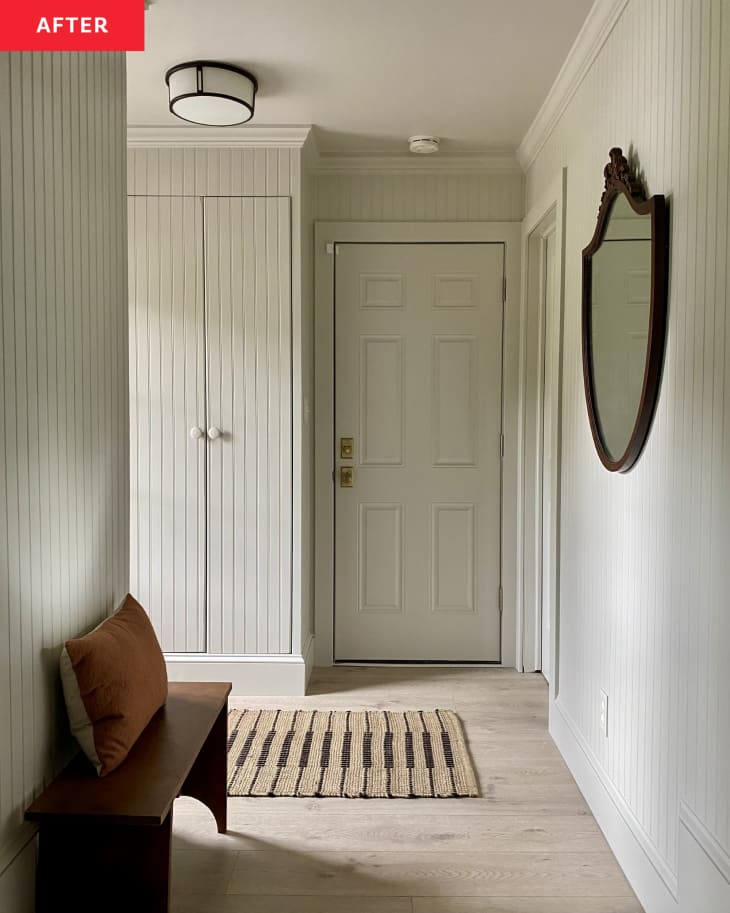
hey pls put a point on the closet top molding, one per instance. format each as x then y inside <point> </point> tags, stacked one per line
<point>253,137</point>
<point>263,137</point>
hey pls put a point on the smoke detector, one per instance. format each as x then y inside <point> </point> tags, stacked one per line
<point>423,145</point>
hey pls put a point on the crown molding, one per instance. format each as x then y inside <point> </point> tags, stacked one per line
<point>602,18</point>
<point>303,138</point>
<point>369,164</point>
<point>252,137</point>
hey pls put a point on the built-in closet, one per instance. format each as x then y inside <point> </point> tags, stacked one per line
<point>211,420</point>
<point>220,382</point>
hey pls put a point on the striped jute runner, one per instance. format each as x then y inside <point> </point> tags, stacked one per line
<point>352,754</point>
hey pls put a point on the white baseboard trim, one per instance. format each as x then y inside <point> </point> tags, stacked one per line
<point>17,880</point>
<point>648,874</point>
<point>15,846</point>
<point>267,674</point>
<point>308,652</point>
<point>706,840</point>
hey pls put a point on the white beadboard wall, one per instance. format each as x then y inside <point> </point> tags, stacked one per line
<point>645,574</point>
<point>435,197</point>
<point>63,407</point>
<point>235,172</point>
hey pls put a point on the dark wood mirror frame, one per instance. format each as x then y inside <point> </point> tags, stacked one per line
<point>619,181</point>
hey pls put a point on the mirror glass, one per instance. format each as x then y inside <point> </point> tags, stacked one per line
<point>620,306</point>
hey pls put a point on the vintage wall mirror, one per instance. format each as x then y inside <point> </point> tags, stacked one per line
<point>625,272</point>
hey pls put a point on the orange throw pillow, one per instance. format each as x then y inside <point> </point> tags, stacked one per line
<point>114,681</point>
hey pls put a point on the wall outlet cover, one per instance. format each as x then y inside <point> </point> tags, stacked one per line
<point>604,714</point>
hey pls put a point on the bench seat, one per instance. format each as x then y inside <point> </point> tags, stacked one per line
<point>104,843</point>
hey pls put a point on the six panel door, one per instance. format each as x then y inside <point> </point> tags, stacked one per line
<point>418,390</point>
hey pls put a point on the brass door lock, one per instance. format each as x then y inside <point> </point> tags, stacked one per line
<point>347,448</point>
<point>346,477</point>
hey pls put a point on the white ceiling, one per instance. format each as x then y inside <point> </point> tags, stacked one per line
<point>370,73</point>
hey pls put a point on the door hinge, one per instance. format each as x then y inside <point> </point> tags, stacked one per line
<point>329,247</point>
<point>501,446</point>
<point>501,598</point>
<point>504,289</point>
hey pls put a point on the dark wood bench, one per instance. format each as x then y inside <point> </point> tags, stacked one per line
<point>105,843</point>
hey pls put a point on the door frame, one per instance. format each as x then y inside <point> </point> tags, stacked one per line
<point>545,218</point>
<point>326,235</point>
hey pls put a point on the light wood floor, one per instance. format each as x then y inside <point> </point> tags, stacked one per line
<point>528,845</point>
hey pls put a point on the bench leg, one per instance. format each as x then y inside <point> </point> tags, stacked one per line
<point>208,777</point>
<point>95,867</point>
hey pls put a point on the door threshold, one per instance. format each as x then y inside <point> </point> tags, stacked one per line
<point>431,663</point>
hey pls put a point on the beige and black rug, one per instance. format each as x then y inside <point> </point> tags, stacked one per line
<point>351,754</point>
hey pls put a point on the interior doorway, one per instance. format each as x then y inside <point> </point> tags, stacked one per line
<point>418,465</point>
<point>503,282</point>
<point>548,506</point>
<point>540,398</point>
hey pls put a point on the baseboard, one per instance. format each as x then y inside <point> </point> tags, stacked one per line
<point>704,867</point>
<point>648,874</point>
<point>308,652</point>
<point>17,881</point>
<point>269,674</point>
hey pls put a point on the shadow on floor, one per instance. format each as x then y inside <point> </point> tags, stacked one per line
<point>248,874</point>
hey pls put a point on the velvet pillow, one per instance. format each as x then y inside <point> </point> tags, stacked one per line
<point>114,681</point>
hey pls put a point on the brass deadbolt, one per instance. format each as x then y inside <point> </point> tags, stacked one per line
<point>347,448</point>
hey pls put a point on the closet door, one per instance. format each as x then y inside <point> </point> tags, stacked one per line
<point>167,402</point>
<point>249,498</point>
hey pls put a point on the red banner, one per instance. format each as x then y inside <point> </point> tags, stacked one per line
<point>72,25</point>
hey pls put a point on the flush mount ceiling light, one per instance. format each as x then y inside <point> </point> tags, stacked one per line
<point>423,145</point>
<point>210,93</point>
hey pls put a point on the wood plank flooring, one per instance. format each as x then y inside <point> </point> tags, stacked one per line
<point>528,845</point>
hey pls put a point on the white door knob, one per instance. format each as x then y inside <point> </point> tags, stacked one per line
<point>214,433</point>
<point>196,433</point>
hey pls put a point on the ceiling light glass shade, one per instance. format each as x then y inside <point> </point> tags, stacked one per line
<point>212,94</point>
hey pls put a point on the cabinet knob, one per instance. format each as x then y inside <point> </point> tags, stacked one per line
<point>196,433</point>
<point>214,433</point>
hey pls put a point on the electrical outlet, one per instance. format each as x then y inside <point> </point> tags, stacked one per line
<point>604,714</point>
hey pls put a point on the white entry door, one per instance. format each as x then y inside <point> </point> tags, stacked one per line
<point>418,397</point>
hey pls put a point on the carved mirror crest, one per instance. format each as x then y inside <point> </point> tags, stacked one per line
<point>625,275</point>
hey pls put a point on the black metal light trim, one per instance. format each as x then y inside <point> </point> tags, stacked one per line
<point>213,64</point>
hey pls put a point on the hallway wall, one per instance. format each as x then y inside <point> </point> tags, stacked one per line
<point>419,197</point>
<point>63,405</point>
<point>644,571</point>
